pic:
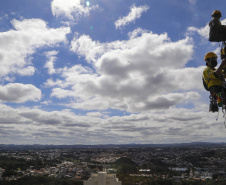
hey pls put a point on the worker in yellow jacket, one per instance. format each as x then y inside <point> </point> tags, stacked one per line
<point>213,77</point>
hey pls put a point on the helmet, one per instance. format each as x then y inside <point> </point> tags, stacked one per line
<point>216,13</point>
<point>210,55</point>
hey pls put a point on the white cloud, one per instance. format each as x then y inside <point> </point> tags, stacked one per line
<point>128,74</point>
<point>48,102</point>
<point>223,21</point>
<point>18,45</point>
<point>19,93</point>
<point>186,78</point>
<point>26,71</point>
<point>51,83</point>
<point>204,32</point>
<point>135,33</point>
<point>143,78</point>
<point>94,114</point>
<point>50,63</point>
<point>135,13</point>
<point>157,126</point>
<point>85,46</point>
<point>70,8</point>
<point>61,93</point>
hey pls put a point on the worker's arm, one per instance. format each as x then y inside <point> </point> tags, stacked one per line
<point>220,68</point>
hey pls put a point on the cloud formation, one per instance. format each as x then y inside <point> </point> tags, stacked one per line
<point>73,85</point>
<point>204,32</point>
<point>70,8</point>
<point>157,126</point>
<point>19,93</point>
<point>19,44</point>
<point>135,13</point>
<point>139,74</point>
<point>51,56</point>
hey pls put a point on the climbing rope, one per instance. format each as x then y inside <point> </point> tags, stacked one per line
<point>224,113</point>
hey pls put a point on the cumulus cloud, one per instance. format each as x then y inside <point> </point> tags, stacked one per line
<point>70,8</point>
<point>135,13</point>
<point>19,44</point>
<point>143,73</point>
<point>50,63</point>
<point>61,93</point>
<point>19,93</point>
<point>204,32</point>
<point>85,46</point>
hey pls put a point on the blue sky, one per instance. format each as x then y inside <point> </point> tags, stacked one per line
<point>106,72</point>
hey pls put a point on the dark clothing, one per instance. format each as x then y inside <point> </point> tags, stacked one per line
<point>214,90</point>
<point>217,31</point>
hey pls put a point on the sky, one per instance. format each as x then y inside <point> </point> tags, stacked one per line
<point>106,72</point>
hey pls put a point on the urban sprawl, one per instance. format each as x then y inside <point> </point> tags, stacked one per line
<point>194,161</point>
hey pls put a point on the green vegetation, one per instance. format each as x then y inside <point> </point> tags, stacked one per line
<point>13,163</point>
<point>125,165</point>
<point>42,180</point>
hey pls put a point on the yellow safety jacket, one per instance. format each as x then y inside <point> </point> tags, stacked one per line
<point>210,78</point>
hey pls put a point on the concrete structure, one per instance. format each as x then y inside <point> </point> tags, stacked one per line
<point>102,178</point>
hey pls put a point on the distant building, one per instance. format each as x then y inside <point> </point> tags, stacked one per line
<point>102,178</point>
